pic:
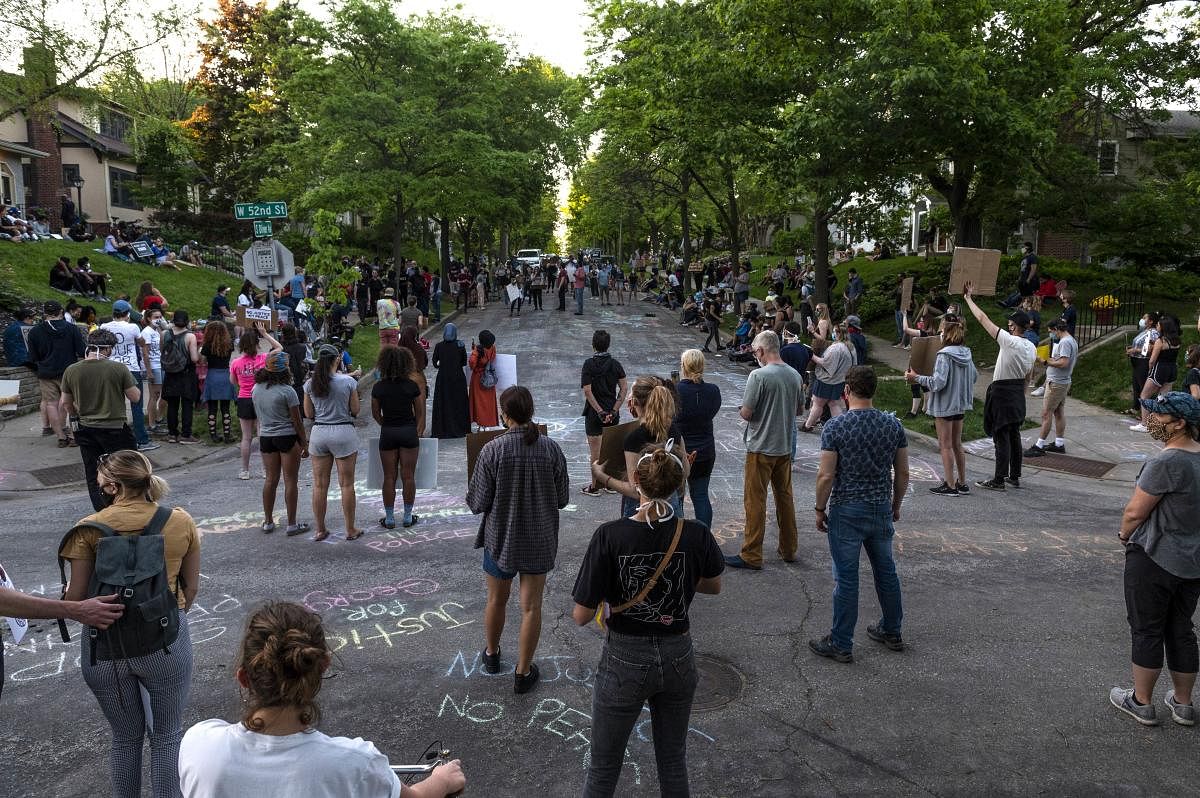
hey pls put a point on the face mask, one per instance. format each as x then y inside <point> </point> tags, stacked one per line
<point>1053,338</point>
<point>1141,324</point>
<point>1158,430</point>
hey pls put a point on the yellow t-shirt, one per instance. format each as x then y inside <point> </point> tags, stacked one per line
<point>180,537</point>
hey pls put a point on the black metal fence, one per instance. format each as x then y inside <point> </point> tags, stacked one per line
<point>1096,320</point>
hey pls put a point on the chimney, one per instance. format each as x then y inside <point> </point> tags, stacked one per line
<point>45,173</point>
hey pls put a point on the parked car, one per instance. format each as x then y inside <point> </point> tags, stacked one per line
<point>529,257</point>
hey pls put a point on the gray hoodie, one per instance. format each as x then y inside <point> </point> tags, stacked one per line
<point>952,386</point>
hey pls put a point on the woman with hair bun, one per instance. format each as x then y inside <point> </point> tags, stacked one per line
<point>331,401</point>
<point>126,478</point>
<point>645,570</point>
<point>281,438</point>
<point>519,485</point>
<point>275,751</point>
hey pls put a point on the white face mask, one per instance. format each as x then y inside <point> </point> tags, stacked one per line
<point>1142,324</point>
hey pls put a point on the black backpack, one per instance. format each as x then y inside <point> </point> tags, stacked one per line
<point>174,357</point>
<point>134,567</point>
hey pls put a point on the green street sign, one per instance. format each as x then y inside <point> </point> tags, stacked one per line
<point>262,228</point>
<point>260,210</point>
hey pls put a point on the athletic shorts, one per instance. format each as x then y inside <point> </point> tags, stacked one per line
<point>332,440</point>
<point>1162,372</point>
<point>245,408</point>
<point>51,389</point>
<point>955,417</point>
<point>392,438</point>
<point>592,424</point>
<point>1056,395</point>
<point>276,444</point>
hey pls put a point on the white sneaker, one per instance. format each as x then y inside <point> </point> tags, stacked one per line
<point>1039,391</point>
<point>1183,714</point>
<point>1139,428</point>
<point>243,475</point>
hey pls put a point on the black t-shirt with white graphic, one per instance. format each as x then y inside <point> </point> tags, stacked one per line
<point>622,557</point>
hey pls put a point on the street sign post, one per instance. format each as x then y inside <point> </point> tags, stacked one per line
<point>271,258</point>
<point>246,211</point>
<point>262,228</point>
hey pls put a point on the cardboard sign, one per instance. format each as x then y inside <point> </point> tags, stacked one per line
<point>247,316</point>
<point>923,353</point>
<point>10,395</point>
<point>18,626</point>
<point>514,293</point>
<point>906,289</point>
<point>612,448</point>
<point>477,440</point>
<point>979,267</point>
<point>426,474</point>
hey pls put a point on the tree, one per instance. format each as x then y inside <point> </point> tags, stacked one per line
<point>165,162</point>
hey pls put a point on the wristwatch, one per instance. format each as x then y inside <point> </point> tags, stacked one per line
<point>819,509</point>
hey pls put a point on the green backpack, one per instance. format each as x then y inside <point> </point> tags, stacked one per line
<point>135,568</point>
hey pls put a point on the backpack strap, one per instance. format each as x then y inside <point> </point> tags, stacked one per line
<point>157,521</point>
<point>105,531</point>
<point>662,566</point>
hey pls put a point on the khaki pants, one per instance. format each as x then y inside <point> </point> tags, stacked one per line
<point>762,470</point>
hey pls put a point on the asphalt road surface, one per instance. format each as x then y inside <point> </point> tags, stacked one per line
<point>1013,617</point>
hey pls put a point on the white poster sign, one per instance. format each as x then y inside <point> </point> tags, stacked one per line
<point>427,465</point>
<point>18,626</point>
<point>506,372</point>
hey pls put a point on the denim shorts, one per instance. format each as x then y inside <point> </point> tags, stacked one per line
<point>491,569</point>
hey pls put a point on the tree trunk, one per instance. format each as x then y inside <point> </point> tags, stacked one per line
<point>685,222</point>
<point>398,232</point>
<point>504,243</point>
<point>444,228</point>
<point>732,223</point>
<point>821,256</point>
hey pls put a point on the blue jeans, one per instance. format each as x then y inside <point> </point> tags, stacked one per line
<point>139,414</point>
<point>701,503</point>
<point>901,338</point>
<point>579,300</point>
<point>660,671</point>
<point>437,306</point>
<point>854,526</point>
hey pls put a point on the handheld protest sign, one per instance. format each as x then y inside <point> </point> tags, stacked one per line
<point>923,353</point>
<point>477,440</point>
<point>906,291</point>
<point>247,316</point>
<point>612,448</point>
<point>979,267</point>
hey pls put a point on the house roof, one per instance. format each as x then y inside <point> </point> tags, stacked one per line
<point>1177,124</point>
<point>22,149</point>
<point>99,142</point>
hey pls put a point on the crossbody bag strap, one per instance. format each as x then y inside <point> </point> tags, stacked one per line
<point>662,566</point>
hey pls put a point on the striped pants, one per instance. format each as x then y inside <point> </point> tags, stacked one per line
<point>115,683</point>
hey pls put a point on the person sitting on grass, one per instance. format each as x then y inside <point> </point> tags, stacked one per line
<point>163,256</point>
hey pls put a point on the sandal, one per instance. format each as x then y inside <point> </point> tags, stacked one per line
<point>268,527</point>
<point>321,536</point>
<point>297,529</point>
<point>64,443</point>
<point>412,521</point>
<point>386,524</point>
<point>350,537</point>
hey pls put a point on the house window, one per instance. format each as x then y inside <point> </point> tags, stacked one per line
<point>121,185</point>
<point>114,125</point>
<point>6,188</point>
<point>1106,156</point>
<point>70,173</point>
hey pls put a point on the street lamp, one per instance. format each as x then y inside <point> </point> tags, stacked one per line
<point>77,183</point>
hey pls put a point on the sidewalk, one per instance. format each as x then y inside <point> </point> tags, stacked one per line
<point>1092,432</point>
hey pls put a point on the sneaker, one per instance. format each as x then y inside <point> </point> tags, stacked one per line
<point>243,475</point>
<point>523,684</point>
<point>1183,714</point>
<point>189,440</point>
<point>893,642</point>
<point>964,489</point>
<point>1122,699</point>
<point>990,484</point>
<point>148,446</point>
<point>1013,481</point>
<point>1035,451</point>
<point>910,415</point>
<point>590,490</point>
<point>944,490</point>
<point>1056,449</point>
<point>736,561</point>
<point>491,662</point>
<point>825,648</point>
<point>47,431</point>
<point>1139,428</point>
<point>1038,391</point>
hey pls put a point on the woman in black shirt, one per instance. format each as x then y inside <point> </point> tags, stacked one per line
<point>699,403</point>
<point>647,568</point>
<point>398,406</point>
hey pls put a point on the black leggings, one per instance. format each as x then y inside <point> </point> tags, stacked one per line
<point>1141,368</point>
<point>173,403</point>
<point>219,407</point>
<point>714,333</point>
<point>1160,606</point>
<point>535,298</point>
<point>1007,440</point>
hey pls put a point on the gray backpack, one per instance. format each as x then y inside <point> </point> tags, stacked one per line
<point>135,568</point>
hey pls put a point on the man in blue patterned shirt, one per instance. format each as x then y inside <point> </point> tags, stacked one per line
<point>861,483</point>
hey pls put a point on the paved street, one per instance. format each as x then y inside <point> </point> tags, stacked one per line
<point>1013,615</point>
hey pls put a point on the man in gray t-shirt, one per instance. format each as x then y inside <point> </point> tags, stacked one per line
<point>1059,366</point>
<point>769,408</point>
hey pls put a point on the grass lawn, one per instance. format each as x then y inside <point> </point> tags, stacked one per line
<point>1102,375</point>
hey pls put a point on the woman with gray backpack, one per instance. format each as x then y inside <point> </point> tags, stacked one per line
<point>153,554</point>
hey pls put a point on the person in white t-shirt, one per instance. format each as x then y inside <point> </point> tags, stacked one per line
<point>1004,403</point>
<point>130,351</point>
<point>151,336</point>
<point>274,751</point>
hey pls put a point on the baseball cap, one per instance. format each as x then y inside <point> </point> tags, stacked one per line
<point>1019,318</point>
<point>51,307</point>
<point>853,321</point>
<point>327,350</point>
<point>1057,324</point>
<point>1176,403</point>
<point>121,306</point>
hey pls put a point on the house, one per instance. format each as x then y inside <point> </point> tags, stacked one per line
<point>70,147</point>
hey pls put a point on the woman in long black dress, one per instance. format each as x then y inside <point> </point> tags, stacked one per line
<point>451,414</point>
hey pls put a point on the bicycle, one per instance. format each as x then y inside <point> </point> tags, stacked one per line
<point>433,756</point>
